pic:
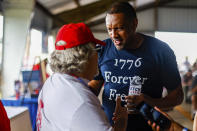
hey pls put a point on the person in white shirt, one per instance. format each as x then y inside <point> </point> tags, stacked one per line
<point>66,103</point>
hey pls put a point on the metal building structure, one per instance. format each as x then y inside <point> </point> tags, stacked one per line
<point>48,15</point>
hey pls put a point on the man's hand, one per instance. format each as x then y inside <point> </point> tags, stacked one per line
<point>133,101</point>
<point>120,116</point>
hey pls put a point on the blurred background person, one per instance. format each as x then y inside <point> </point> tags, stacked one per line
<point>187,82</point>
<point>194,96</point>
<point>186,63</point>
<point>194,68</point>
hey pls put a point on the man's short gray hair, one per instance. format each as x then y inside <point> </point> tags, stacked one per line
<point>71,60</point>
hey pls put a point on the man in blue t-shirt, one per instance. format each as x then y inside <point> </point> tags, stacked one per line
<point>133,59</point>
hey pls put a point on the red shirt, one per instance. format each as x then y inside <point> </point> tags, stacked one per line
<point>4,120</point>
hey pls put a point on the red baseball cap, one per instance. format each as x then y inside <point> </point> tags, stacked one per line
<point>72,35</point>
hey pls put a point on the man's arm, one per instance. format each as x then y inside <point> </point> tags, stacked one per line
<point>95,86</point>
<point>170,78</point>
<point>174,97</point>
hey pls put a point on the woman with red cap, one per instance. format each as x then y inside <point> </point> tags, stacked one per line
<point>66,103</point>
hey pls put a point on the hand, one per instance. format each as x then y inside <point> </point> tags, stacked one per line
<point>174,126</point>
<point>120,116</point>
<point>133,101</point>
<point>154,126</point>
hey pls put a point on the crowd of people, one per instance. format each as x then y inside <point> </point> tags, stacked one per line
<point>189,82</point>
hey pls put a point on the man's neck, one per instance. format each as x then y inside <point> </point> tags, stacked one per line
<point>136,42</point>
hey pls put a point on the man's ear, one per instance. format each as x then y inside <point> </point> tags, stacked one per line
<point>135,23</point>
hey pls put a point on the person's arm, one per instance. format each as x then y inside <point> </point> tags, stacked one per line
<point>195,123</point>
<point>169,76</point>
<point>120,116</point>
<point>174,125</point>
<point>174,97</point>
<point>95,86</point>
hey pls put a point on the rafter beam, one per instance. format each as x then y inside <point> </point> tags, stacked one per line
<point>96,22</point>
<point>1,5</point>
<point>41,7</point>
<point>160,3</point>
<point>154,5</point>
<point>58,4</point>
<point>84,13</point>
<point>77,3</point>
<point>180,6</point>
<point>55,19</point>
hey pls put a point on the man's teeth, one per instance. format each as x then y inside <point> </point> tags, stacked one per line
<point>117,41</point>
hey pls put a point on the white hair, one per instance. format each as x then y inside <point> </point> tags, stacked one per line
<point>71,60</point>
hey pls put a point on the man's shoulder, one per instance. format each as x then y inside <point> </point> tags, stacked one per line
<point>109,43</point>
<point>156,43</point>
<point>107,40</point>
<point>152,39</point>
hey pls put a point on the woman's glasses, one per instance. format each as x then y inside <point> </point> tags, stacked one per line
<point>97,48</point>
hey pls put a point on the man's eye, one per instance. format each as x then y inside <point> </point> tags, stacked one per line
<point>121,28</point>
<point>109,29</point>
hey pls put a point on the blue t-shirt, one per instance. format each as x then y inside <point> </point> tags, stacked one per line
<point>153,64</point>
